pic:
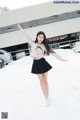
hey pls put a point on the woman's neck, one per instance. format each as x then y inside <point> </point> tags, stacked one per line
<point>39,43</point>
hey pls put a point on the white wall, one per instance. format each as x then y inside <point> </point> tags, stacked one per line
<point>51,30</point>
<point>35,12</point>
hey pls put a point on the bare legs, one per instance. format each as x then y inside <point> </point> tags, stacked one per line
<point>44,84</point>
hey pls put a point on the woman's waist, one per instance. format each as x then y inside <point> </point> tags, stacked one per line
<point>36,55</point>
<point>36,58</point>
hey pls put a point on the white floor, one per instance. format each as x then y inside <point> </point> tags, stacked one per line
<point>21,95</point>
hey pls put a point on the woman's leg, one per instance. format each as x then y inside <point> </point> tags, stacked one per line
<point>44,84</point>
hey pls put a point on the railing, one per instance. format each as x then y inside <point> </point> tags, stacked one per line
<point>64,43</point>
<point>17,51</point>
<point>14,53</point>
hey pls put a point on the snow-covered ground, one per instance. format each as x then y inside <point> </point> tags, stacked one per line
<point>21,95</point>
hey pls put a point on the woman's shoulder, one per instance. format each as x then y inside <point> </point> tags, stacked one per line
<point>33,43</point>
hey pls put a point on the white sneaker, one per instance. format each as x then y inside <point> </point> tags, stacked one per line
<point>48,101</point>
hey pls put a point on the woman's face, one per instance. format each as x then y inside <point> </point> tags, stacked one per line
<point>40,38</point>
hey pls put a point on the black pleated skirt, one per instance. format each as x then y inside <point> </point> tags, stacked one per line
<point>40,66</point>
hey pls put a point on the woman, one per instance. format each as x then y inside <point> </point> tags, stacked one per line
<point>40,66</point>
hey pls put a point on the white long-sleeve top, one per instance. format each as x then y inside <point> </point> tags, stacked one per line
<point>37,50</point>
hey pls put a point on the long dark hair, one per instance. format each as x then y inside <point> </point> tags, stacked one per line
<point>45,42</point>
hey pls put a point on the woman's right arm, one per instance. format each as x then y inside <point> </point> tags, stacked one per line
<point>57,56</point>
<point>29,40</point>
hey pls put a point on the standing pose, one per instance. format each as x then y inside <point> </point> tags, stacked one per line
<point>40,66</point>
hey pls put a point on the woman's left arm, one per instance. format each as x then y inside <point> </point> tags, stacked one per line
<point>57,56</point>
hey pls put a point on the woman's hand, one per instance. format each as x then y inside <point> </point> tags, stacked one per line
<point>18,24</point>
<point>58,57</point>
<point>63,60</point>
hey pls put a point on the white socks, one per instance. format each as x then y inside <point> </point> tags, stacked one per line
<point>48,101</point>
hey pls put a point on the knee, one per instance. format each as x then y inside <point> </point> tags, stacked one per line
<point>44,81</point>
